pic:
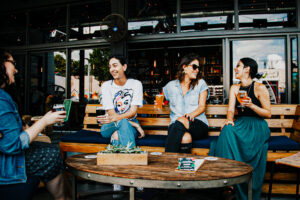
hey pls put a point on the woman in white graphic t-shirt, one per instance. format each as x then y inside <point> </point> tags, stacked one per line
<point>121,98</point>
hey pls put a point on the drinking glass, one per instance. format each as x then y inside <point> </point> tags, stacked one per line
<point>159,98</point>
<point>58,107</point>
<point>100,111</point>
<point>242,95</point>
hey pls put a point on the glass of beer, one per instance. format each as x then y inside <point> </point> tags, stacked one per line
<point>242,95</point>
<point>58,107</point>
<point>159,98</point>
<point>99,111</point>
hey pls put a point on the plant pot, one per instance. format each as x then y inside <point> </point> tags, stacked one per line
<point>122,158</point>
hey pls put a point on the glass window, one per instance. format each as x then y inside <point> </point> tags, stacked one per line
<point>207,15</point>
<point>13,29</point>
<point>295,72</point>
<point>85,20</point>
<point>95,65</point>
<point>156,63</point>
<point>151,17</point>
<point>47,25</point>
<point>270,57</point>
<point>267,14</point>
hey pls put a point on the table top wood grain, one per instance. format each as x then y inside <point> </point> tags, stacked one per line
<point>163,168</point>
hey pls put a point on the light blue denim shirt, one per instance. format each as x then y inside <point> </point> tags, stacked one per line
<point>13,142</point>
<point>180,104</point>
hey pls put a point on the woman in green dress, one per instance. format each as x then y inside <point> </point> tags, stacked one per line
<point>245,138</point>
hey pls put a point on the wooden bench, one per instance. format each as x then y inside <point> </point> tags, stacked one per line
<point>284,125</point>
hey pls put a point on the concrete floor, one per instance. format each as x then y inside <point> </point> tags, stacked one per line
<point>89,190</point>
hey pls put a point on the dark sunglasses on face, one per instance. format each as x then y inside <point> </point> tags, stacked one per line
<point>195,67</point>
<point>12,62</point>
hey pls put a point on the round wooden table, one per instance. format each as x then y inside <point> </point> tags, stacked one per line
<point>161,173</point>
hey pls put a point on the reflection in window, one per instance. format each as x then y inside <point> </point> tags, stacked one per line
<point>203,23</point>
<point>267,13</point>
<point>295,72</point>
<point>263,21</point>
<point>270,56</point>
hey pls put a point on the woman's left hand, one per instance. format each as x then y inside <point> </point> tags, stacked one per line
<point>189,117</point>
<point>247,102</point>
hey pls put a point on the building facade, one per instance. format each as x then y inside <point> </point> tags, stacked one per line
<point>74,39</point>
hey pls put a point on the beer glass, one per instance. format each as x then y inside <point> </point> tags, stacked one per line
<point>58,107</point>
<point>159,98</point>
<point>242,95</point>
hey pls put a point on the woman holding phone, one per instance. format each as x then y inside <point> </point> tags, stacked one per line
<point>246,138</point>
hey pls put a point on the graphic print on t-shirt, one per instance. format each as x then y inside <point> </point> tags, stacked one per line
<point>122,100</point>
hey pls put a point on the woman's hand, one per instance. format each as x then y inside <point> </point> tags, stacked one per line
<point>140,131</point>
<point>189,116</point>
<point>247,103</point>
<point>54,117</point>
<point>227,122</point>
<point>104,119</point>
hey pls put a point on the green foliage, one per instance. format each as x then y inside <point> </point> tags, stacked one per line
<point>60,64</point>
<point>122,149</point>
<point>99,64</point>
<point>98,61</point>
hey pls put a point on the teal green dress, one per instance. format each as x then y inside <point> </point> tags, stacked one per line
<point>246,141</point>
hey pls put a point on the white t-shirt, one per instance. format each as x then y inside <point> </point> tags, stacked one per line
<point>121,98</point>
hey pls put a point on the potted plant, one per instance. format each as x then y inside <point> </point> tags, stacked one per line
<point>122,155</point>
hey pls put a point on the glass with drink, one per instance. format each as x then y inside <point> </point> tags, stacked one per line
<point>100,111</point>
<point>159,98</point>
<point>242,95</point>
<point>58,107</point>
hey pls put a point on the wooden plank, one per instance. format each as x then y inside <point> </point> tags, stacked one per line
<point>90,120</point>
<point>280,188</point>
<point>280,123</point>
<point>282,176</point>
<point>147,121</point>
<point>81,147</point>
<point>91,108</point>
<point>283,109</point>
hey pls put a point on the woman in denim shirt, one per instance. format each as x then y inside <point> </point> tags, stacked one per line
<point>187,96</point>
<point>17,176</point>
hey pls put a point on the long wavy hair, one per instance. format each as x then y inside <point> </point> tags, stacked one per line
<point>186,60</point>
<point>4,55</point>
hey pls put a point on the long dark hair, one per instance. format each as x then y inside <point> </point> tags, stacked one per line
<point>186,60</point>
<point>249,62</point>
<point>4,55</point>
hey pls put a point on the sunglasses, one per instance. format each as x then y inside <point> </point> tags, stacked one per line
<point>12,62</point>
<point>195,67</point>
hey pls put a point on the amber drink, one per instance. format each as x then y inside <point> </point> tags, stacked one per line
<point>159,101</point>
<point>241,96</point>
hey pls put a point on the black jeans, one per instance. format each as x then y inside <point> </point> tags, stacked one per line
<point>197,129</point>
